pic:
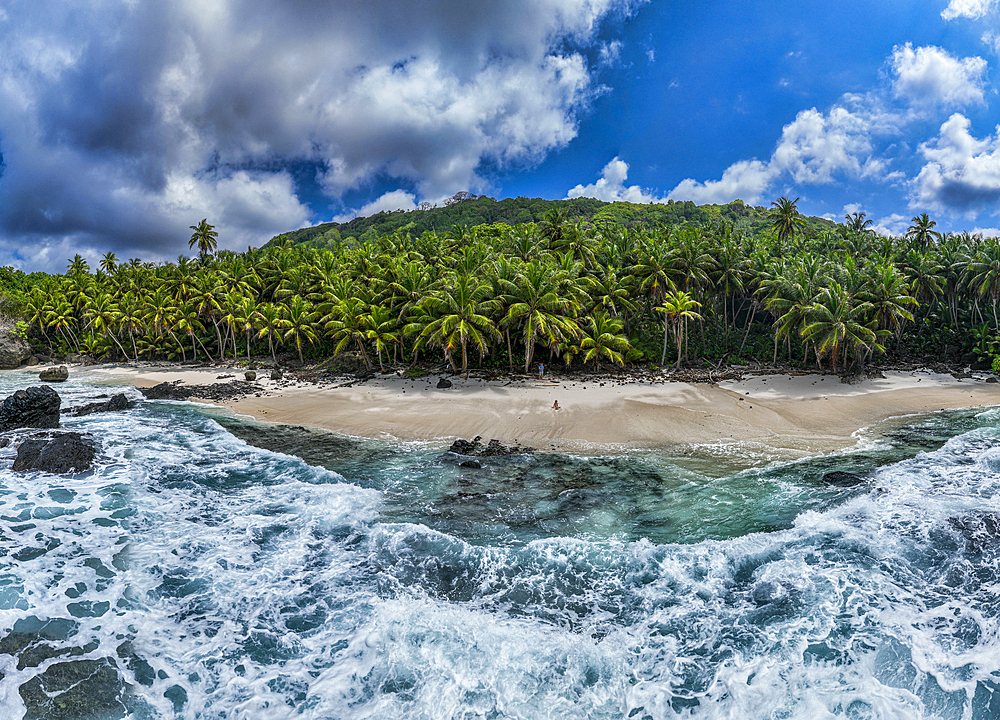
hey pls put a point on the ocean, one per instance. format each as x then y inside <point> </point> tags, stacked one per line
<point>213,567</point>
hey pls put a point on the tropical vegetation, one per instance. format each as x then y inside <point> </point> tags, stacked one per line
<point>574,288</point>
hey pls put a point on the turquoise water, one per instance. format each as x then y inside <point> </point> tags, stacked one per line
<point>210,567</point>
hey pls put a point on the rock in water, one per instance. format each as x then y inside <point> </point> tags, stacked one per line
<point>56,374</point>
<point>116,404</point>
<point>58,453</point>
<point>842,479</point>
<point>444,383</point>
<point>250,375</point>
<point>36,407</point>
<point>13,351</point>
<point>470,464</point>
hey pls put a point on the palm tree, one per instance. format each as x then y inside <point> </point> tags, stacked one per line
<point>542,311</point>
<point>921,231</point>
<point>786,220</point>
<point>299,322</point>
<point>984,274</point>
<point>678,307</point>
<point>603,339</point>
<point>836,322</point>
<point>205,238</point>
<point>457,316</point>
<point>269,322</point>
<point>347,321</point>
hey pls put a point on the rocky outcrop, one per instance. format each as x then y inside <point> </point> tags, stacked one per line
<point>13,351</point>
<point>495,448</point>
<point>54,374</point>
<point>116,403</point>
<point>56,453</point>
<point>232,390</point>
<point>34,407</point>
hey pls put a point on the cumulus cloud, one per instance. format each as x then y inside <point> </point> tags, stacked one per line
<point>931,76</point>
<point>819,148</point>
<point>813,149</point>
<point>894,225</point>
<point>610,187</point>
<point>962,173</point>
<point>973,9</point>
<point>128,106</point>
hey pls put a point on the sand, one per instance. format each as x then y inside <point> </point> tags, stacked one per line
<point>801,414</point>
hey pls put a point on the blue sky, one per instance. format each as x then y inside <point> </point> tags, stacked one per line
<point>123,123</point>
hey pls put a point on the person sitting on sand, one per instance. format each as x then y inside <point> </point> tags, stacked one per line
<point>555,405</point>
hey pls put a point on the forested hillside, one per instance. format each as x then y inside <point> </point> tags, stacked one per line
<point>471,211</point>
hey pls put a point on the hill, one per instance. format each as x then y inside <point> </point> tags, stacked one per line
<point>471,210</point>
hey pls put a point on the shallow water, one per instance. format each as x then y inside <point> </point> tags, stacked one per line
<point>193,574</point>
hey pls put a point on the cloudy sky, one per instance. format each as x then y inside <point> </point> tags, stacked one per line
<point>123,122</point>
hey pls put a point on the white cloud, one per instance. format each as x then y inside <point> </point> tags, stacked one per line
<point>973,9</point>
<point>928,76</point>
<point>390,201</point>
<point>813,149</point>
<point>135,100</point>
<point>610,52</point>
<point>992,41</point>
<point>962,173</point>
<point>990,232</point>
<point>894,225</point>
<point>610,187</point>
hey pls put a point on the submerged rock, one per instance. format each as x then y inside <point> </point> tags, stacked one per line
<point>35,407</point>
<point>58,453</point>
<point>842,479</point>
<point>470,464</point>
<point>117,403</point>
<point>55,374</point>
<point>495,448</point>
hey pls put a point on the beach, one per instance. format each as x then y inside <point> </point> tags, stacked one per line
<point>798,414</point>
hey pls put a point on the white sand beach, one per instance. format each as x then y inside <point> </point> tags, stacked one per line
<point>805,413</point>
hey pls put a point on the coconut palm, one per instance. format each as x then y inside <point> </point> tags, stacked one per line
<point>542,312</point>
<point>678,307</point>
<point>785,220</point>
<point>205,237</point>
<point>299,319</point>
<point>456,316</point>
<point>921,231</point>
<point>836,322</point>
<point>603,339</point>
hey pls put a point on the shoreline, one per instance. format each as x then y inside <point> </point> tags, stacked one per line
<point>791,414</point>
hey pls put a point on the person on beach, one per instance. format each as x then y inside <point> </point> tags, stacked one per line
<point>541,371</point>
<point>555,405</point>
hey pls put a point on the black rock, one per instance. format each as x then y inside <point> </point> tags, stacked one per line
<point>276,374</point>
<point>57,453</point>
<point>4,442</point>
<point>115,404</point>
<point>250,375</point>
<point>842,479</point>
<point>54,374</point>
<point>164,391</point>
<point>992,380</point>
<point>495,448</point>
<point>444,383</point>
<point>470,464</point>
<point>36,407</point>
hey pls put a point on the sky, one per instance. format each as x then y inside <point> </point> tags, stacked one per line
<point>124,122</point>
